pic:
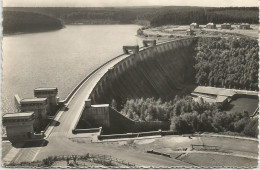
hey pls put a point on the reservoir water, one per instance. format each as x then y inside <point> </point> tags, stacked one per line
<point>59,58</point>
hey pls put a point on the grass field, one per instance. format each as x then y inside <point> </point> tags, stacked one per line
<point>214,160</point>
<point>232,144</point>
<point>231,152</point>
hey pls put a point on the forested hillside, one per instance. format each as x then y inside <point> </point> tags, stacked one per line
<point>227,62</point>
<point>206,15</point>
<point>16,21</point>
<point>188,116</point>
<point>143,15</point>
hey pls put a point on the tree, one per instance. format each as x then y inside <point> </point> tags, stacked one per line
<point>231,62</point>
<point>251,129</point>
<point>239,126</point>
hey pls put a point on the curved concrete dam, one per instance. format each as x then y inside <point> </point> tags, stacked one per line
<point>160,70</point>
<point>157,71</point>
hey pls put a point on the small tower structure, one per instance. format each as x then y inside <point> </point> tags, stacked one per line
<point>50,94</point>
<point>39,107</point>
<point>19,126</point>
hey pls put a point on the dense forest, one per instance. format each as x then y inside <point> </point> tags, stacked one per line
<point>188,116</point>
<point>144,15</point>
<point>206,15</point>
<point>227,62</point>
<point>16,21</point>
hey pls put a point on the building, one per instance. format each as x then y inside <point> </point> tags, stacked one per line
<point>211,26</point>
<point>223,100</point>
<point>244,26</point>
<point>39,107</point>
<point>190,32</point>
<point>226,26</point>
<point>51,95</point>
<point>213,91</point>
<point>19,126</point>
<point>194,26</point>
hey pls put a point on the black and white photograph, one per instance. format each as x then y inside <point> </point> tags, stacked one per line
<point>129,84</point>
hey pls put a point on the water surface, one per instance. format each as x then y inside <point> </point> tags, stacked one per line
<point>59,58</point>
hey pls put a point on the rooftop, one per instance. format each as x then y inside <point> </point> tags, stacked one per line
<point>226,24</point>
<point>214,91</point>
<point>210,23</point>
<point>34,100</point>
<point>221,99</point>
<point>21,114</point>
<point>46,89</point>
<point>206,99</point>
<point>244,24</point>
<point>193,23</point>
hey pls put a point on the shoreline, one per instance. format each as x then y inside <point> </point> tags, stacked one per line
<point>177,31</point>
<point>42,31</point>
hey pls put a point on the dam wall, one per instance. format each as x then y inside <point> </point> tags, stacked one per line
<point>156,71</point>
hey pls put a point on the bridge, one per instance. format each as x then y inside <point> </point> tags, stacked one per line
<point>59,135</point>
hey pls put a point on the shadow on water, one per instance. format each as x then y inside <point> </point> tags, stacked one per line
<point>30,144</point>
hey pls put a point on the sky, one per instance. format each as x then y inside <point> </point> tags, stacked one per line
<point>117,3</point>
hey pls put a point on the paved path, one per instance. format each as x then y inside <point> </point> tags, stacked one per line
<point>12,153</point>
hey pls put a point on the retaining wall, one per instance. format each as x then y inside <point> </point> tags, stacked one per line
<point>113,122</point>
